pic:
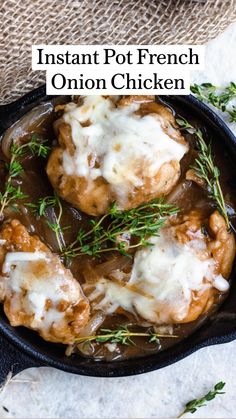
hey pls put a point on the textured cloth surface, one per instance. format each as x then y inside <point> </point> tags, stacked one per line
<point>27,22</point>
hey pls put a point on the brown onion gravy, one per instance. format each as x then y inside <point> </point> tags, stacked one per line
<point>186,195</point>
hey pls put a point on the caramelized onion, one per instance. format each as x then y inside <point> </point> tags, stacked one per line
<point>118,275</point>
<point>178,192</point>
<point>118,263</point>
<point>113,267</point>
<point>89,330</point>
<point>89,273</point>
<point>26,125</point>
<point>93,325</point>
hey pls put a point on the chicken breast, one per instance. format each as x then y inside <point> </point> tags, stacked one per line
<point>176,279</point>
<point>125,150</point>
<point>37,291</point>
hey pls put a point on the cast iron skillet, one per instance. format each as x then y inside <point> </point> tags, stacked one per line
<point>22,348</point>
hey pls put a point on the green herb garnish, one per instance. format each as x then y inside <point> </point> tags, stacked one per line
<point>206,169</point>
<point>38,148</point>
<point>11,192</point>
<point>123,336</point>
<point>193,405</point>
<point>219,97</point>
<point>113,231</point>
<point>40,208</point>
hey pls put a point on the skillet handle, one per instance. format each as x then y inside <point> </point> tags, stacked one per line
<point>11,112</point>
<point>13,360</point>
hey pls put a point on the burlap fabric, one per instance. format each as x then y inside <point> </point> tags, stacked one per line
<point>27,22</point>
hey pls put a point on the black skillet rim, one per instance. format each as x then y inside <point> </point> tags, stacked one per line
<point>214,331</point>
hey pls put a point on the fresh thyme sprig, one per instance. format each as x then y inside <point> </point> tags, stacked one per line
<point>206,169</point>
<point>123,336</point>
<point>219,97</point>
<point>193,405</point>
<point>38,148</point>
<point>13,193</point>
<point>40,208</point>
<point>114,230</point>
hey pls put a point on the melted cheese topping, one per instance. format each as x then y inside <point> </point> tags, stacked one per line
<point>128,147</point>
<point>167,274</point>
<point>38,285</point>
<point>13,257</point>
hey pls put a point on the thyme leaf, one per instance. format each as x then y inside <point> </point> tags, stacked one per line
<point>42,204</point>
<point>38,148</point>
<point>206,169</point>
<point>122,335</point>
<point>193,405</point>
<point>40,208</point>
<point>219,97</point>
<point>113,231</point>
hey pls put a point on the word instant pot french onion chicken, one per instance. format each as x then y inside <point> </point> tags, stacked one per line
<point>112,241</point>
